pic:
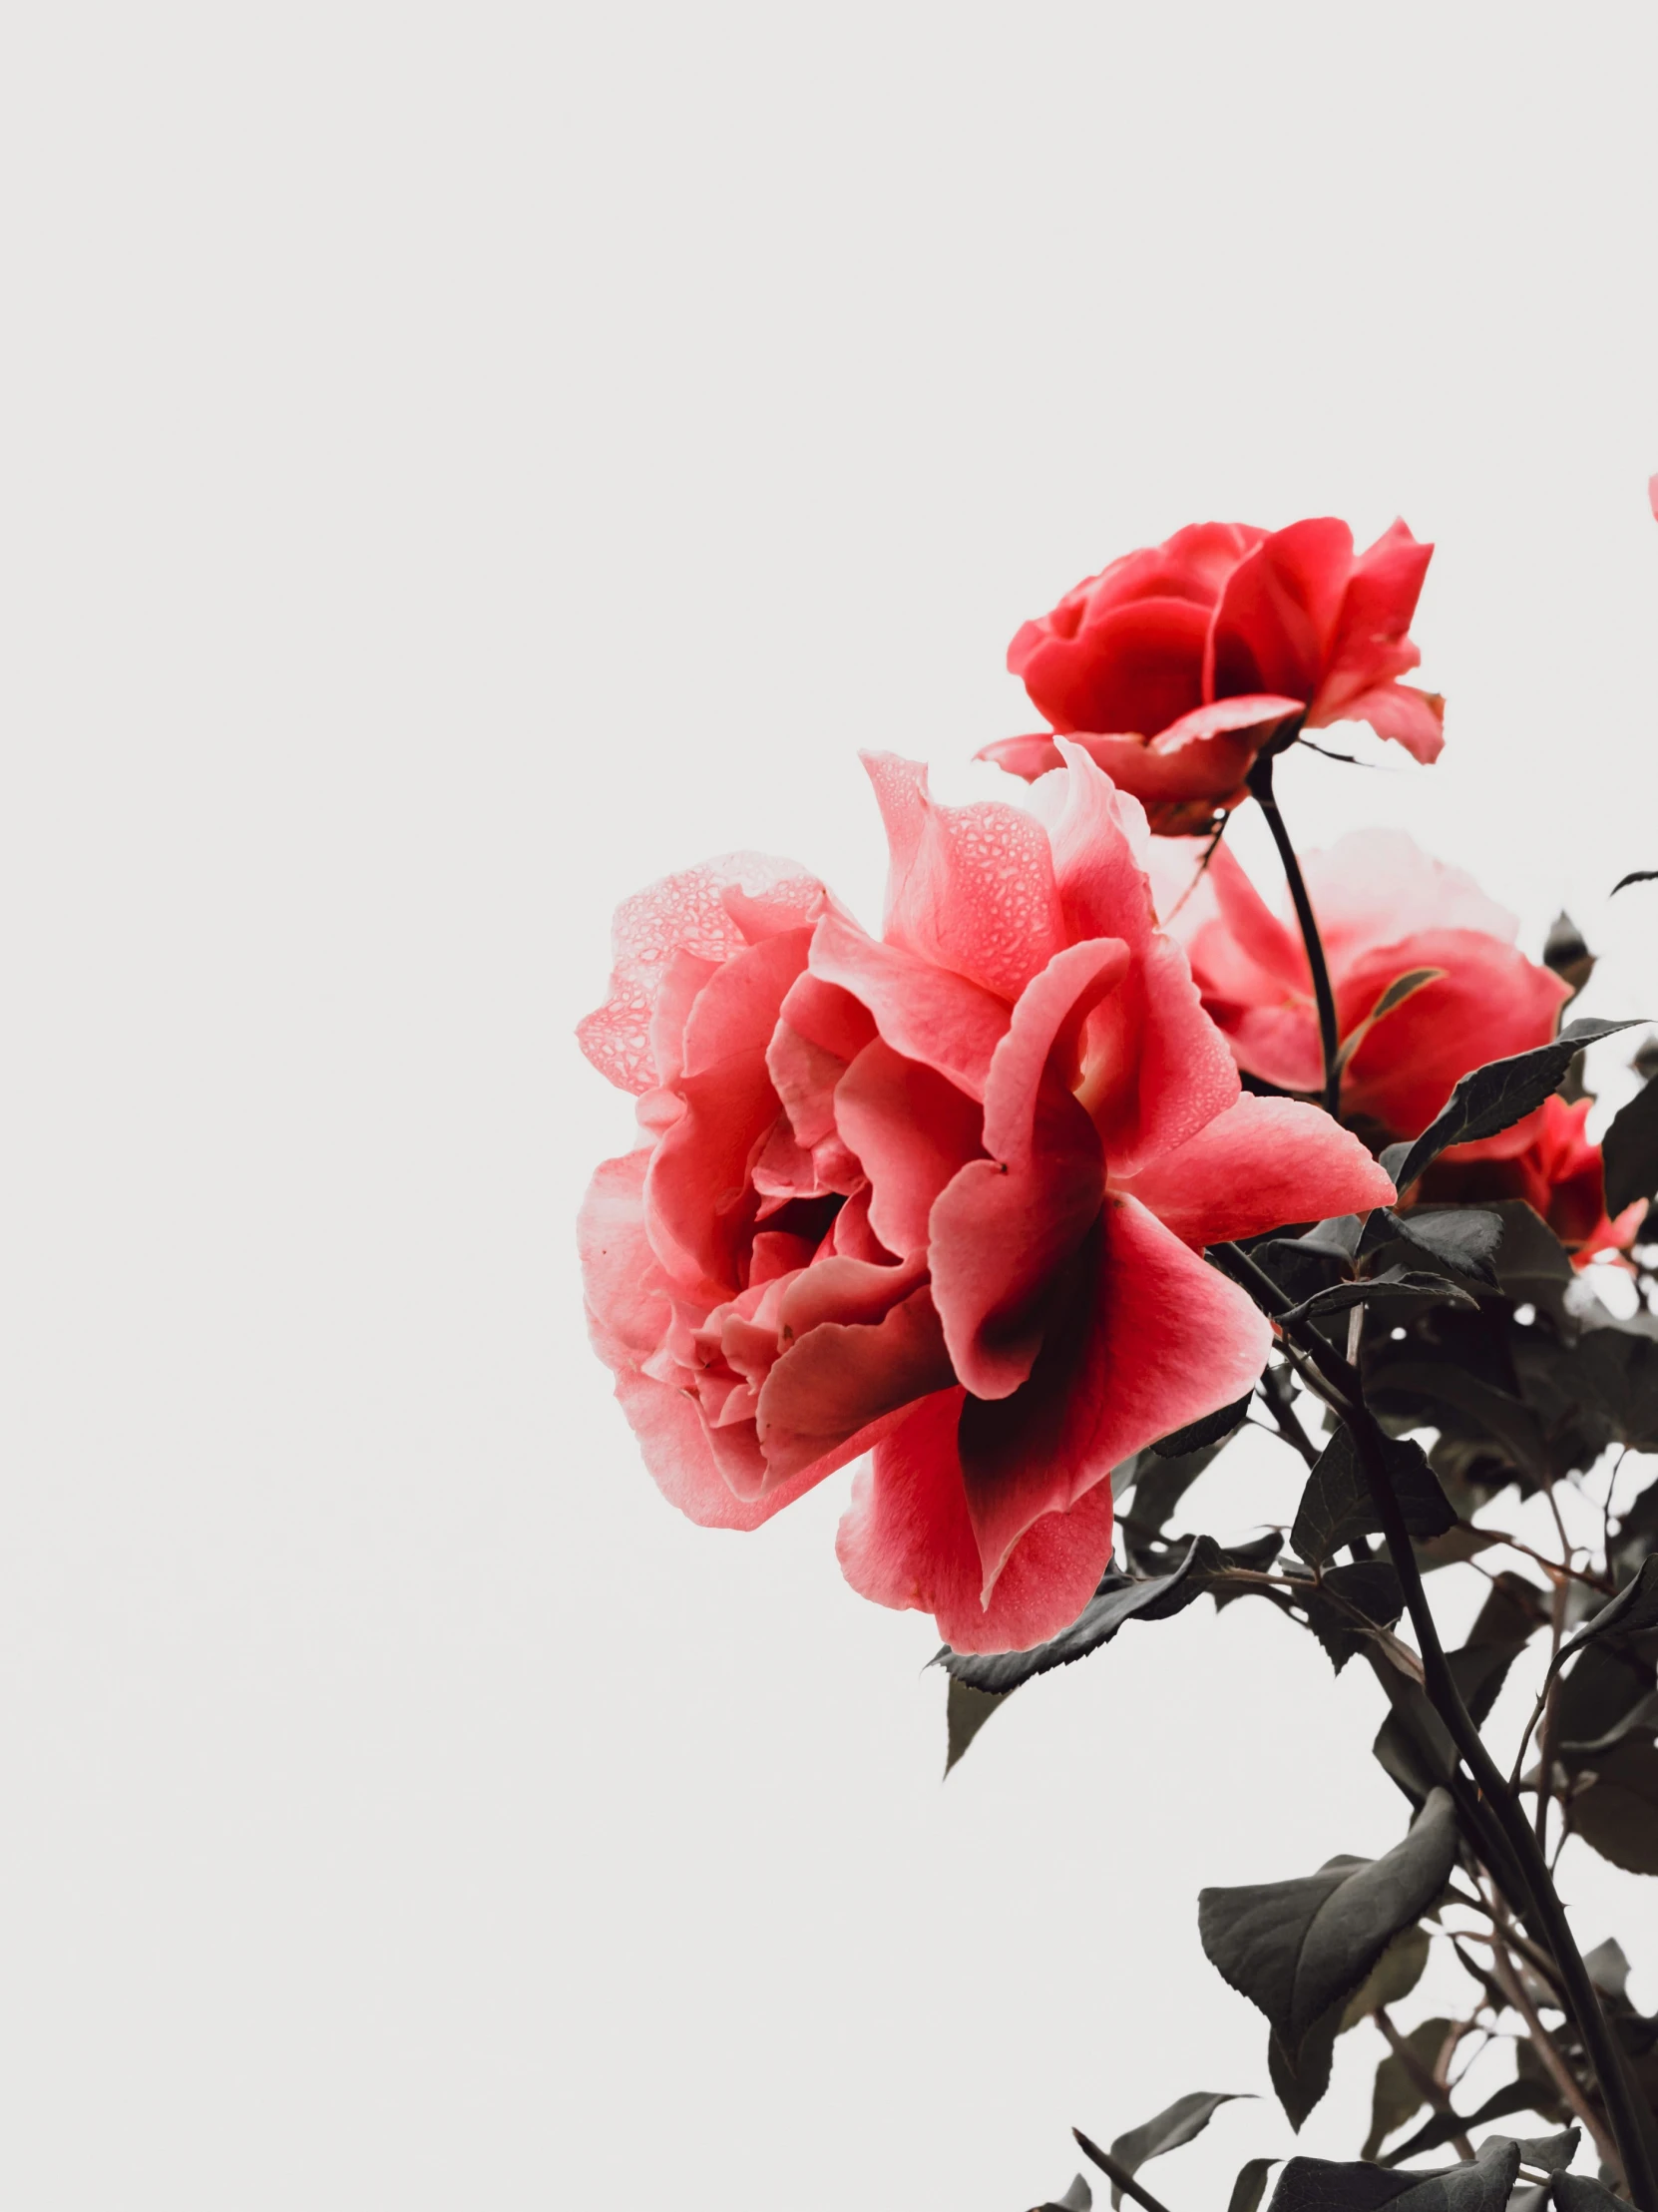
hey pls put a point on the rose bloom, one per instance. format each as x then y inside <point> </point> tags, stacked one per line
<point>1384,908</point>
<point>940,1195</point>
<point>1558,1175</point>
<point>1177,664</point>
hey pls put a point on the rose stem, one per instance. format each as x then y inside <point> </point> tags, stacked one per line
<point>1259,780</point>
<point>1543,1901</point>
<point>1119,2174</point>
<point>1431,2090</point>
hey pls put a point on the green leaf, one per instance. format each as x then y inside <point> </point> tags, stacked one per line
<point>1393,1976</point>
<point>1493,1098</point>
<point>1402,988</point>
<point>1629,1150</point>
<point>1323,2185</point>
<point>966,1711</point>
<point>1119,1597</point>
<point>1078,2198</point>
<point>1396,2097</point>
<point>1392,1287</point>
<point>1185,2118</point>
<point>1617,1815</point>
<point>1214,1428</point>
<point>1298,1948</point>
<point>1300,2081</point>
<point>1630,1614</point>
<point>1250,2186</point>
<point>1565,951</point>
<point>1369,1587</point>
<point>1336,1503</point>
<point>1463,1237</point>
<point>1523,2095</point>
<point>1576,2192</point>
<point>1550,2154</point>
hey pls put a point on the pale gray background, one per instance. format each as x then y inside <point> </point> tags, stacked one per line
<point>458,464</point>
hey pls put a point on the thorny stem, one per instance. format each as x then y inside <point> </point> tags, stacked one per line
<point>1551,1695</point>
<point>1123,2179</point>
<point>1423,2080</point>
<point>1507,1980</point>
<point>1340,1385</point>
<point>1260,784</point>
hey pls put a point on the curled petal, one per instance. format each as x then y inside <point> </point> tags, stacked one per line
<point>970,887</point>
<point>924,1012</point>
<point>1278,613</point>
<point>1262,1163</point>
<point>828,1390</point>
<point>710,912</point>
<point>1145,1339</point>
<point>911,1130</point>
<point>906,1541</point>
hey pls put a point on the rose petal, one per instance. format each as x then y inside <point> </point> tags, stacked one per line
<point>1262,1163</point>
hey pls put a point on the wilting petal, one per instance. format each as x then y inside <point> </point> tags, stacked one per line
<point>924,1012</point>
<point>1145,1339</point>
<point>970,887</point>
<point>832,1385</point>
<point>1028,757</point>
<point>1261,1165</point>
<point>1000,1237</point>
<point>906,1541</point>
<point>911,1131</point>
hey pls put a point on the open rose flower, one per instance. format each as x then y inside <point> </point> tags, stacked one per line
<point>1176,664</point>
<point>1559,1173</point>
<point>1385,911</point>
<point>940,1195</point>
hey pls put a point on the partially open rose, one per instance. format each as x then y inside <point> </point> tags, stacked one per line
<point>1385,911</point>
<point>1559,1173</point>
<point>1177,664</point>
<point>942,1194</point>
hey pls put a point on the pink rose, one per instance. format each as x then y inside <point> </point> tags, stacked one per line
<point>1183,660</point>
<point>1559,1175</point>
<point>942,1194</point>
<point>1384,909</point>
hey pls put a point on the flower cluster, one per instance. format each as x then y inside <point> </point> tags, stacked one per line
<point>941,1195</point>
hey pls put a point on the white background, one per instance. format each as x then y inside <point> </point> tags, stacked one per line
<point>456,464</point>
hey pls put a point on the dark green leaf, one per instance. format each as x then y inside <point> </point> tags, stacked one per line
<point>1631,1612</point>
<point>1336,1503</point>
<point>1185,2118</point>
<point>1511,1423</point>
<point>1608,1969</point>
<point>1300,2081</point>
<point>1078,2198</point>
<point>1576,2192</point>
<point>1160,1484</point>
<point>1550,2154</point>
<point>1119,1597</point>
<point>1396,2096</point>
<point>1438,2129</point>
<point>1369,1587</point>
<point>1393,1976</point>
<point>1214,1428</point>
<point>1493,1098</point>
<point>1296,1948</point>
<point>1513,1611</point>
<point>1463,1237</point>
<point>966,1711</point>
<point>1250,2186</point>
<point>1617,1815</point>
<point>1321,2185</point>
<point>1392,1287</point>
<point>1629,1150</point>
<point>1637,875</point>
<point>1567,952</point>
